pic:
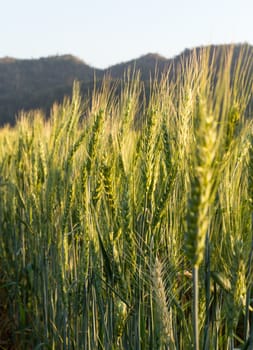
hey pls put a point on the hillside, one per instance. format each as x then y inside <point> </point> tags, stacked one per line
<point>37,83</point>
<point>147,64</point>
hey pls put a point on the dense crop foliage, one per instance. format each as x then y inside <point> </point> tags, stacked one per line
<point>127,224</point>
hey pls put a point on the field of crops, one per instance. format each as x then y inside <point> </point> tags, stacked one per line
<point>127,223</point>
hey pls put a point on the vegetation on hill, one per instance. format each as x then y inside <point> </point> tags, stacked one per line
<point>37,84</point>
<point>32,84</point>
<point>128,226</point>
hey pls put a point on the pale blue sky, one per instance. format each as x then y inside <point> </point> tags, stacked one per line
<point>105,32</point>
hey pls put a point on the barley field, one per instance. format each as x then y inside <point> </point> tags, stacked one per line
<point>127,223</point>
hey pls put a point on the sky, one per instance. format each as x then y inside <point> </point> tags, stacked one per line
<point>106,32</point>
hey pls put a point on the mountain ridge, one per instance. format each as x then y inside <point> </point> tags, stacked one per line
<point>37,83</point>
